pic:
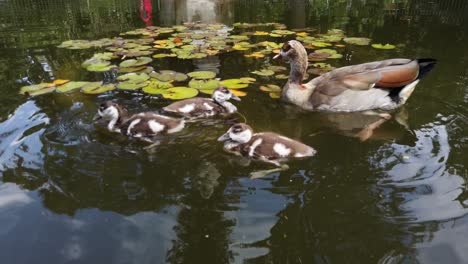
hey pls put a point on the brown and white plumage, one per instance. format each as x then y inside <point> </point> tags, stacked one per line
<point>268,147</point>
<point>383,85</point>
<point>205,107</point>
<point>141,125</point>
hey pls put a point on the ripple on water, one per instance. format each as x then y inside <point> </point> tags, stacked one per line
<point>418,177</point>
<point>20,144</point>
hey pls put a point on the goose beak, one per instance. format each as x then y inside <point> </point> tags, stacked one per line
<point>277,56</point>
<point>96,117</point>
<point>224,137</point>
<point>234,97</point>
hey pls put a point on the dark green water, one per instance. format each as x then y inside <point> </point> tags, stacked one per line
<point>73,193</point>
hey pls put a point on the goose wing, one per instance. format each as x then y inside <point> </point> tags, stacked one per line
<point>388,74</point>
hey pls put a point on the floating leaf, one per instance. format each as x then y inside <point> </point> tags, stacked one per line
<point>264,72</point>
<point>97,88</point>
<point>59,82</point>
<point>320,44</point>
<point>134,77</point>
<point>202,74</point>
<point>247,79</point>
<point>129,85</point>
<point>204,84</point>
<point>357,41</point>
<point>166,76</point>
<point>156,87</point>
<point>234,83</point>
<point>178,93</point>
<point>255,55</point>
<point>70,86</point>
<point>386,46</point>
<point>135,62</point>
<point>238,93</point>
<point>271,88</point>
<point>282,32</point>
<point>164,55</point>
<point>276,68</point>
<point>37,89</point>
<point>99,68</point>
<point>281,76</point>
<point>131,69</point>
<point>260,33</point>
<point>275,95</point>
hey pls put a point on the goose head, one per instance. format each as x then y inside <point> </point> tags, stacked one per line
<point>111,111</point>
<point>223,94</point>
<point>239,134</point>
<point>293,52</point>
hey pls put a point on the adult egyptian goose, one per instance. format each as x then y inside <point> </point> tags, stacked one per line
<point>381,85</point>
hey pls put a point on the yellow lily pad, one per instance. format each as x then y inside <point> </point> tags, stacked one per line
<point>234,83</point>
<point>386,46</point>
<point>97,88</point>
<point>179,93</point>
<point>70,86</point>
<point>264,72</point>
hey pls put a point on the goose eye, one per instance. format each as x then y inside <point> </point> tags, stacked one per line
<point>286,47</point>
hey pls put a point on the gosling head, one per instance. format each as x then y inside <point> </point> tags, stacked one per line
<point>239,133</point>
<point>109,111</point>
<point>223,94</point>
<point>291,51</point>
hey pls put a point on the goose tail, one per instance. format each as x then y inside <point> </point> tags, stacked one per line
<point>425,66</point>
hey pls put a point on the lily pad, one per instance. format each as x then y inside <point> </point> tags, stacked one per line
<point>204,84</point>
<point>247,79</point>
<point>129,85</point>
<point>166,76</point>
<point>157,87</point>
<point>281,76</point>
<point>178,93</point>
<point>358,41</point>
<point>276,68</point>
<point>131,69</point>
<point>386,46</point>
<point>100,67</point>
<point>234,83</point>
<point>70,86</point>
<point>135,62</point>
<point>238,93</point>
<point>202,74</point>
<point>37,89</point>
<point>164,55</point>
<point>264,72</point>
<point>97,88</point>
<point>271,88</point>
<point>275,95</point>
<point>134,77</point>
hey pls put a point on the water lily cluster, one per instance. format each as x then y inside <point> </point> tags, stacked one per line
<point>131,54</point>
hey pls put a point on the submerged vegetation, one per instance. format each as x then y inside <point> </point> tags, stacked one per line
<point>130,58</point>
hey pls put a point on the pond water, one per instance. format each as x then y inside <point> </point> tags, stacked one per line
<point>71,192</point>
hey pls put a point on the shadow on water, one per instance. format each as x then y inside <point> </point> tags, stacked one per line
<point>73,192</point>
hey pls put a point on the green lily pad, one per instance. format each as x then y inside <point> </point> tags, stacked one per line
<point>281,76</point>
<point>156,87</point>
<point>178,93</point>
<point>282,32</point>
<point>275,95</point>
<point>41,91</point>
<point>271,88</point>
<point>69,86</point>
<point>99,67</point>
<point>202,74</point>
<point>204,84</point>
<point>358,41</point>
<point>34,88</point>
<point>320,44</point>
<point>134,77</point>
<point>135,62</point>
<point>234,83</point>
<point>131,69</point>
<point>129,85</point>
<point>97,88</point>
<point>247,79</point>
<point>264,72</point>
<point>164,55</point>
<point>276,68</point>
<point>166,76</point>
<point>386,46</point>
<point>328,51</point>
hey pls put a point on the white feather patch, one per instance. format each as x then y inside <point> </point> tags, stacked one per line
<point>155,126</point>
<point>187,108</point>
<point>310,152</point>
<point>207,106</point>
<point>177,128</point>
<point>254,146</point>
<point>281,149</point>
<point>132,125</point>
